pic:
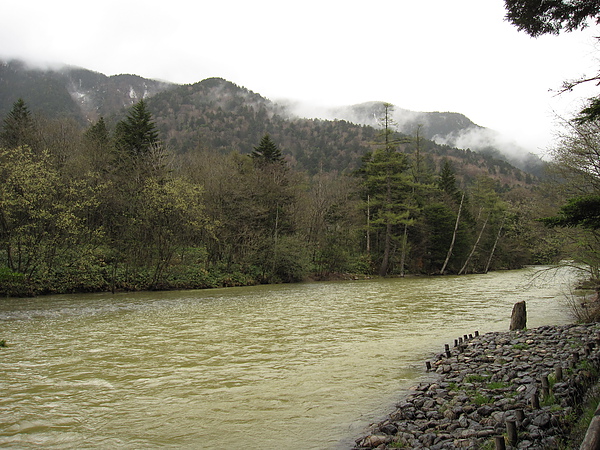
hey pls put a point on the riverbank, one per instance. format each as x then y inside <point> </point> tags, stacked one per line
<point>523,387</point>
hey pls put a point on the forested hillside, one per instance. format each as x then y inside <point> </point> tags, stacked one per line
<point>71,92</point>
<point>218,115</point>
<point>237,116</point>
<point>143,203</point>
<point>211,184</point>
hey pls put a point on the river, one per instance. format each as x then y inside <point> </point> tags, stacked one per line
<point>299,366</point>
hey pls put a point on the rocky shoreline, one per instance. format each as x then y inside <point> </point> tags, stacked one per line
<point>522,389</point>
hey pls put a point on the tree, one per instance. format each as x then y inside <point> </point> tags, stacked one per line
<point>330,220</point>
<point>42,217</point>
<point>137,134</point>
<point>169,216</point>
<point>267,152</point>
<point>579,211</point>
<point>576,165</point>
<point>18,127</point>
<point>387,187</point>
<point>537,17</point>
<point>447,182</point>
<point>138,151</point>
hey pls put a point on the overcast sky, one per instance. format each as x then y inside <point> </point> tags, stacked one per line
<point>426,55</point>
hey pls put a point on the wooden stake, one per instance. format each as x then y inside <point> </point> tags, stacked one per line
<point>511,430</point>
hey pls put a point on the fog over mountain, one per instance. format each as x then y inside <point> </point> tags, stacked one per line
<point>87,95</point>
<point>445,128</point>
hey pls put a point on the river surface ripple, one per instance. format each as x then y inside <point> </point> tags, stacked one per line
<point>301,366</point>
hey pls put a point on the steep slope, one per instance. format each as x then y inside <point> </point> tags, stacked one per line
<point>446,128</point>
<point>72,92</point>
<point>218,115</point>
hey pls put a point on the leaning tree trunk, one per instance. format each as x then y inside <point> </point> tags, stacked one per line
<point>453,236</point>
<point>474,246</point>
<point>489,262</point>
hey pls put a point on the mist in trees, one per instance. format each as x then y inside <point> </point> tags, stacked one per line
<point>113,208</point>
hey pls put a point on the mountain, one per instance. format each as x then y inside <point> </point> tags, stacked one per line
<point>445,128</point>
<point>221,116</point>
<point>72,92</point>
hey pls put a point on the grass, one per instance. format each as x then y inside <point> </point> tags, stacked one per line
<point>480,399</point>
<point>3,343</point>
<point>476,378</point>
<point>581,422</point>
<point>520,347</point>
<point>548,400</point>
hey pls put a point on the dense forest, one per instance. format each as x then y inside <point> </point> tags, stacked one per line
<point>136,203</point>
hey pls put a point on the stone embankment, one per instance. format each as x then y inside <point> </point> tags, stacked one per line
<point>516,389</point>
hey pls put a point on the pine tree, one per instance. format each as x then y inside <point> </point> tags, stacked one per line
<point>267,152</point>
<point>387,189</point>
<point>18,127</point>
<point>447,182</point>
<point>97,145</point>
<point>137,134</point>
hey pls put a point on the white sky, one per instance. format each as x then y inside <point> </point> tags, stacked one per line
<point>426,55</point>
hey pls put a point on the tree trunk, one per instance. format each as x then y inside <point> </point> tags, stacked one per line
<point>453,236</point>
<point>474,246</point>
<point>368,224</point>
<point>404,249</point>
<point>518,319</point>
<point>385,262</point>
<point>489,262</point>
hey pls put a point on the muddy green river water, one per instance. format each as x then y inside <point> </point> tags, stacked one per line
<point>301,366</point>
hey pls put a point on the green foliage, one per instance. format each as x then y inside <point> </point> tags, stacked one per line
<point>520,346</point>
<point>137,134</point>
<point>266,152</point>
<point>590,113</point>
<point>476,378</point>
<point>96,210</point>
<point>579,211</point>
<point>17,127</point>
<point>480,399</point>
<point>538,18</point>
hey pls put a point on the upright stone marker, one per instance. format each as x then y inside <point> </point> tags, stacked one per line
<point>518,320</point>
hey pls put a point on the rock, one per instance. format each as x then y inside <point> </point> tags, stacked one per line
<point>388,428</point>
<point>542,420</point>
<point>443,413</point>
<point>374,441</point>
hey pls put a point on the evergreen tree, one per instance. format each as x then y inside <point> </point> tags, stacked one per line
<point>98,133</point>
<point>97,145</point>
<point>387,190</point>
<point>137,134</point>
<point>537,17</point>
<point>17,129</point>
<point>267,152</point>
<point>447,181</point>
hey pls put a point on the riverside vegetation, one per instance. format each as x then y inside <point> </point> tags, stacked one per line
<point>112,208</point>
<point>113,205</point>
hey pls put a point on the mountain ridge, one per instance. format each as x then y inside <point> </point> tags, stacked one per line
<point>211,112</point>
